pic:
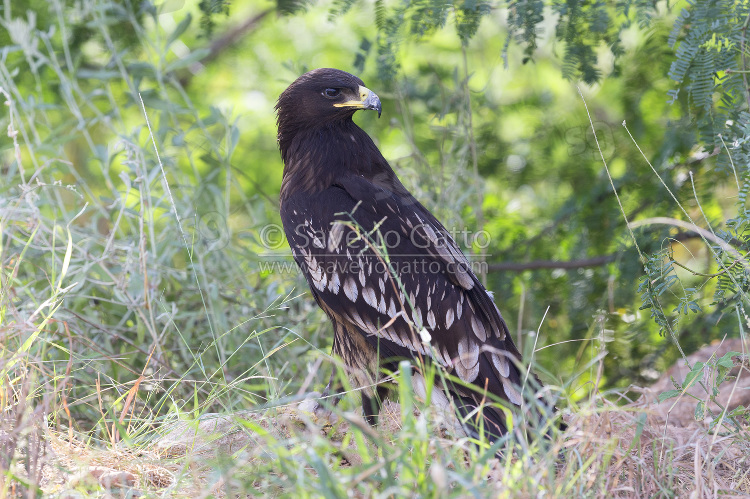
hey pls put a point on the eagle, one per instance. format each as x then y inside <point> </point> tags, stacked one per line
<point>387,273</point>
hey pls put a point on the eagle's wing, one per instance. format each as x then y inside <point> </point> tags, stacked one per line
<point>383,263</point>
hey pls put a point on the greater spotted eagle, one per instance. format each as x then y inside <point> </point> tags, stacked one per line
<point>386,272</point>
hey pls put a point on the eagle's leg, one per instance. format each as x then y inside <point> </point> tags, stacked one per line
<point>371,409</point>
<point>338,392</point>
<point>323,412</point>
<point>371,405</point>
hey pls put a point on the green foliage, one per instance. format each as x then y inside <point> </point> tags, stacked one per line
<point>710,39</point>
<point>711,376</point>
<point>658,279</point>
<point>129,257</point>
<point>583,27</point>
<point>209,9</point>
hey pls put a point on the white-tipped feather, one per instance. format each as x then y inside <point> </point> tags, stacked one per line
<point>350,289</point>
<point>318,277</point>
<point>334,283</point>
<point>334,237</point>
<point>501,364</point>
<point>381,305</point>
<point>431,320</point>
<point>478,328</point>
<point>446,356</point>
<point>356,319</point>
<point>369,326</point>
<point>369,296</point>
<point>512,392</point>
<point>449,318</point>
<point>468,360</point>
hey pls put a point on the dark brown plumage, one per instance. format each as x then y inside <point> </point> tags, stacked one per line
<point>338,197</point>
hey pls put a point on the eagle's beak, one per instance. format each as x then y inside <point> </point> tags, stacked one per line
<point>367,100</point>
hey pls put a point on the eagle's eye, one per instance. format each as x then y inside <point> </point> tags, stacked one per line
<point>332,92</point>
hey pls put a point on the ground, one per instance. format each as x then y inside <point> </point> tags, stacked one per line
<point>636,447</point>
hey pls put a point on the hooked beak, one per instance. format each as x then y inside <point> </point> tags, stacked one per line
<point>367,100</point>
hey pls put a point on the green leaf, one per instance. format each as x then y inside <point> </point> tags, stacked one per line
<point>692,375</point>
<point>142,69</point>
<point>152,101</point>
<point>726,360</point>
<point>405,391</point>
<point>738,411</point>
<point>66,260</point>
<point>700,411</point>
<point>191,58</point>
<point>98,74</point>
<point>234,138</point>
<point>669,394</point>
<point>180,29</point>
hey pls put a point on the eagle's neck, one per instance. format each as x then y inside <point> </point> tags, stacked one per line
<point>315,158</point>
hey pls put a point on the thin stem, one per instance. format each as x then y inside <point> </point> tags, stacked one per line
<point>743,42</point>
<point>477,179</point>
<point>731,161</point>
<point>609,176</point>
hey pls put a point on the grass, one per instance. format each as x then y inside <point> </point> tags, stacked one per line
<point>141,350</point>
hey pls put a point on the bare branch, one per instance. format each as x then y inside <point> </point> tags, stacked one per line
<point>703,233</point>
<point>596,261</point>
<point>223,42</point>
<point>233,35</point>
<point>693,232</point>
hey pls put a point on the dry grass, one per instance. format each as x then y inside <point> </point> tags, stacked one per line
<point>607,450</point>
<point>635,458</point>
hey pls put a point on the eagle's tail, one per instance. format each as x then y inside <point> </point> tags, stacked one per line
<point>479,416</point>
<point>478,419</point>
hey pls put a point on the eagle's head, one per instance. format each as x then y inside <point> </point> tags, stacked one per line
<point>319,142</point>
<point>322,97</point>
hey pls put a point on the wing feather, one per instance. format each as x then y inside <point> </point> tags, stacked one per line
<point>393,275</point>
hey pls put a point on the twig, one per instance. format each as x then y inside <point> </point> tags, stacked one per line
<point>233,35</point>
<point>609,175</point>
<point>134,391</point>
<point>701,274</point>
<point>13,134</point>
<point>63,387</point>
<point>743,46</point>
<point>692,227</point>
<point>551,264</point>
<point>595,261</point>
<point>101,410</point>
<point>475,165</point>
<point>226,40</point>
<point>182,231</point>
<point>731,162</point>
